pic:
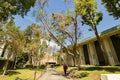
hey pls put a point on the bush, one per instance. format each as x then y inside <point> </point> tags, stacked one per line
<point>21,60</point>
<point>20,65</point>
<point>42,66</point>
<point>82,74</point>
<point>57,64</point>
<point>29,66</point>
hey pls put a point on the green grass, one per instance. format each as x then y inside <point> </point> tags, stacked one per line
<point>94,72</point>
<point>60,68</point>
<point>21,73</point>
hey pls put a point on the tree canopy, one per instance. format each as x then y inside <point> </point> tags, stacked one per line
<point>13,7</point>
<point>88,12</point>
<point>113,7</point>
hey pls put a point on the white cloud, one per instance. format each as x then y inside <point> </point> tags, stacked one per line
<point>54,47</point>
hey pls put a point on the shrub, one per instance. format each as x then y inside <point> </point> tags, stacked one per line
<point>29,66</point>
<point>57,64</point>
<point>20,65</point>
<point>21,60</point>
<point>81,75</point>
<point>42,66</point>
<point>94,68</point>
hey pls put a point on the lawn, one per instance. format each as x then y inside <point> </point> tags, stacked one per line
<point>91,72</point>
<point>21,73</point>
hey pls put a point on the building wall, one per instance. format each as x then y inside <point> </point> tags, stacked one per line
<point>110,51</point>
<point>82,58</point>
<point>116,43</point>
<point>95,57</point>
<point>86,54</point>
<point>100,55</point>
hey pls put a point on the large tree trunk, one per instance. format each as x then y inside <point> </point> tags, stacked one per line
<point>14,67</point>
<point>6,64</point>
<point>78,63</point>
<point>5,67</point>
<point>101,46</point>
<point>29,59</point>
<point>76,55</point>
<point>14,61</point>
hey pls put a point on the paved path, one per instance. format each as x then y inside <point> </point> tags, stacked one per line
<point>52,74</point>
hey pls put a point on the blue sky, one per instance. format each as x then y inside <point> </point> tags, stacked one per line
<point>59,5</point>
<point>54,6</point>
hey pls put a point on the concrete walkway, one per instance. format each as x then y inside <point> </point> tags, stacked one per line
<point>52,74</point>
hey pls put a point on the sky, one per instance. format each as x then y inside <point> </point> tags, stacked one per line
<point>59,5</point>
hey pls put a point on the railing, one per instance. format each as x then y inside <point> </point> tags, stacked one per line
<point>33,75</point>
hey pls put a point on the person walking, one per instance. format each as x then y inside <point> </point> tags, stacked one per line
<point>65,67</point>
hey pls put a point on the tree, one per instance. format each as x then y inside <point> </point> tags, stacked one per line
<point>20,7</point>
<point>34,35</point>
<point>34,46</point>
<point>14,40</point>
<point>67,30</point>
<point>87,9</point>
<point>113,7</point>
<point>29,33</point>
<point>21,60</point>
<point>57,27</point>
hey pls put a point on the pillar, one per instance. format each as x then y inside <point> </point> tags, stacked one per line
<point>112,57</point>
<point>92,54</point>
<point>82,58</point>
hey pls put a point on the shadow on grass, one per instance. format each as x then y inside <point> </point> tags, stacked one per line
<point>109,69</point>
<point>10,72</point>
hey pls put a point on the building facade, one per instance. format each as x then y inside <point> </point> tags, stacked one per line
<point>90,52</point>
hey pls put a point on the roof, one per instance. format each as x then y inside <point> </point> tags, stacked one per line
<point>111,29</point>
<point>105,32</point>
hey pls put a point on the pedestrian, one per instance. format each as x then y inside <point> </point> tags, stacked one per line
<point>65,67</point>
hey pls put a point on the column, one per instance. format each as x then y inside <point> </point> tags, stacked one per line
<point>82,58</point>
<point>112,57</point>
<point>92,54</point>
